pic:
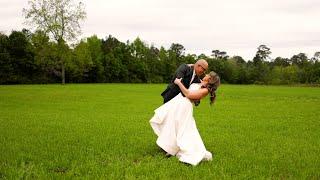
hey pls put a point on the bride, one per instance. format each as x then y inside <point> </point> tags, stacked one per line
<point>175,126</point>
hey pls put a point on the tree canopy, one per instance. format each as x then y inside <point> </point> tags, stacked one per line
<point>27,57</point>
<point>60,19</point>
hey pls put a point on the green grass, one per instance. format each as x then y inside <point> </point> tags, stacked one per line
<point>103,131</point>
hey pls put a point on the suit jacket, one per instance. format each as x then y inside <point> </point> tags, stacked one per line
<point>185,72</point>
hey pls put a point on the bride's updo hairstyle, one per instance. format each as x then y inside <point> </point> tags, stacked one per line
<point>212,86</point>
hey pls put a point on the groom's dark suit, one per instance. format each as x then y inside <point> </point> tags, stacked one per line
<point>185,72</point>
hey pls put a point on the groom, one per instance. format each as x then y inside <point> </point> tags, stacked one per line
<point>190,73</point>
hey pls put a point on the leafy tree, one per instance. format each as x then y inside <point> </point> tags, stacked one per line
<point>139,52</point>
<point>261,69</point>
<point>300,60</point>
<point>165,68</point>
<point>218,66</point>
<point>95,48</point>
<point>60,18</point>
<point>231,71</point>
<point>27,57</point>
<point>239,59</point>
<point>315,73</point>
<point>117,61</point>
<point>279,61</point>
<point>178,49</point>
<point>239,72</point>
<point>316,56</point>
<point>45,57</point>
<point>6,67</point>
<point>202,56</point>
<point>21,56</point>
<point>154,65</point>
<point>82,62</point>
<point>176,54</point>
<point>262,54</point>
<point>290,75</point>
<point>190,58</point>
<point>219,54</point>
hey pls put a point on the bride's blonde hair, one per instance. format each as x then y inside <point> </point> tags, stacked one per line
<point>212,86</point>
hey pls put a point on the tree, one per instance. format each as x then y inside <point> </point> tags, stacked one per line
<point>22,57</point>
<point>239,59</point>
<point>231,71</point>
<point>316,56</point>
<point>300,60</point>
<point>139,51</point>
<point>45,55</point>
<point>260,71</point>
<point>82,62</point>
<point>219,54</point>
<point>178,49</point>
<point>95,47</point>
<point>117,61</point>
<point>202,56</point>
<point>60,19</point>
<point>262,54</point>
<point>176,54</point>
<point>154,65</point>
<point>165,70</point>
<point>279,61</point>
<point>240,69</point>
<point>6,68</point>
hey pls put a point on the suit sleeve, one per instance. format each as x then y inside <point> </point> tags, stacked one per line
<point>181,71</point>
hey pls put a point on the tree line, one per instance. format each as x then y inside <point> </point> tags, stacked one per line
<point>31,57</point>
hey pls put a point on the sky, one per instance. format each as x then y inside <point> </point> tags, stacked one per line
<point>288,27</point>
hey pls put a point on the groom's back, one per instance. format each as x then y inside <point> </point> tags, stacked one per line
<point>185,72</point>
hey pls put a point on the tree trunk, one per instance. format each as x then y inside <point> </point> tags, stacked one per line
<point>63,74</point>
<point>61,51</point>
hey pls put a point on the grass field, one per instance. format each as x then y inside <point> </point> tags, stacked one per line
<point>102,131</point>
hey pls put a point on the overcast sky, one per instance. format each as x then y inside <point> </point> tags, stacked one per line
<point>238,27</point>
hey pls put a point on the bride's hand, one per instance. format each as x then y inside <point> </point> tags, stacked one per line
<point>176,81</point>
<point>201,81</point>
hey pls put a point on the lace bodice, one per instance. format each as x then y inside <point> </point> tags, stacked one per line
<point>195,86</point>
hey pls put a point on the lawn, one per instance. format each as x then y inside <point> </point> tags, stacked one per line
<point>102,131</point>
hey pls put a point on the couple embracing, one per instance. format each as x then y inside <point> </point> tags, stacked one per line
<point>173,122</point>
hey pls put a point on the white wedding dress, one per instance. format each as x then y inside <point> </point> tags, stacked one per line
<point>174,124</point>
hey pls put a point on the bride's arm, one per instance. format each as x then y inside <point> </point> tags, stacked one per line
<point>197,94</point>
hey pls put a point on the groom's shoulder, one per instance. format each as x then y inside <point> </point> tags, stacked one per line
<point>184,66</point>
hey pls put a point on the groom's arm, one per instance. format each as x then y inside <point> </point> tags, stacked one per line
<point>181,71</point>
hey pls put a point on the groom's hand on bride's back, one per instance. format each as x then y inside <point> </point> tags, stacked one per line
<point>196,102</point>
